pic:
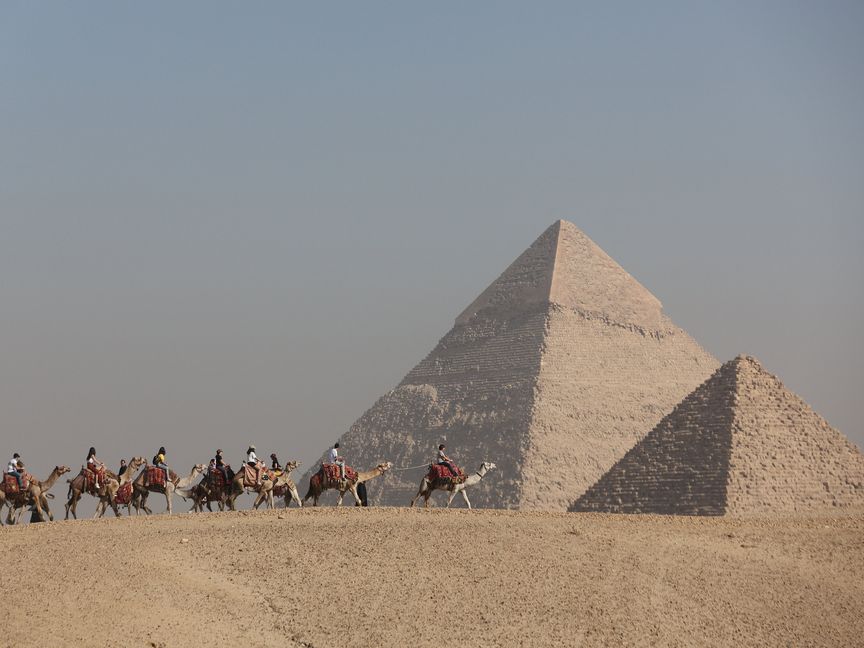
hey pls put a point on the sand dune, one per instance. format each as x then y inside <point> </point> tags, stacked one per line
<point>400,577</point>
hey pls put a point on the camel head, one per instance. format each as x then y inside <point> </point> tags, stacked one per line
<point>291,465</point>
<point>61,470</point>
<point>198,469</point>
<point>136,462</point>
<point>487,466</point>
<point>384,467</point>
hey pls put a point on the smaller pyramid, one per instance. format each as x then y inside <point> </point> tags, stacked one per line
<point>740,443</point>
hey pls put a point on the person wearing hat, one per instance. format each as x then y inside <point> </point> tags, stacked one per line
<point>253,461</point>
<point>159,462</point>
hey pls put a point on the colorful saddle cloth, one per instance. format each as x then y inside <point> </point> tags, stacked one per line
<point>440,472</point>
<point>10,483</point>
<point>124,495</point>
<point>333,474</point>
<point>217,479</point>
<point>91,477</point>
<point>155,476</point>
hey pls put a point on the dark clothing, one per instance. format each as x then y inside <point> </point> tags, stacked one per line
<point>450,466</point>
<point>121,471</point>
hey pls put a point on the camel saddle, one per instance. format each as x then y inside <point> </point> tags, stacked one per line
<point>90,479</point>
<point>331,472</point>
<point>249,476</point>
<point>124,495</point>
<point>10,483</point>
<point>442,473</point>
<point>217,479</point>
<point>155,476</point>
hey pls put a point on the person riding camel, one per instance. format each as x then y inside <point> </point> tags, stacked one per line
<point>274,462</point>
<point>123,468</point>
<point>220,466</point>
<point>444,460</point>
<point>95,466</point>
<point>159,462</point>
<point>335,458</point>
<point>253,461</point>
<point>12,469</point>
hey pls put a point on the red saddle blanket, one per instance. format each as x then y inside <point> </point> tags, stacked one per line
<point>332,473</point>
<point>440,471</point>
<point>155,476</point>
<point>90,479</point>
<point>217,479</point>
<point>10,483</point>
<point>124,495</point>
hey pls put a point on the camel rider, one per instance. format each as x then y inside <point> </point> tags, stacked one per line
<point>334,458</point>
<point>95,466</point>
<point>253,461</point>
<point>123,468</point>
<point>159,462</point>
<point>444,460</point>
<point>12,469</point>
<point>275,465</point>
<point>220,466</point>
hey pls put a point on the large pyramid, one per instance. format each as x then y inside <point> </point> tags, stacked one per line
<point>554,372</point>
<point>740,443</point>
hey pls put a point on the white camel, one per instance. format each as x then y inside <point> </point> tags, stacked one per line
<point>427,486</point>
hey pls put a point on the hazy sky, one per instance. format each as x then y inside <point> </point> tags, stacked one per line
<point>224,223</point>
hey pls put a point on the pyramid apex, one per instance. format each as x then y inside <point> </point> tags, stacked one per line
<point>566,268</point>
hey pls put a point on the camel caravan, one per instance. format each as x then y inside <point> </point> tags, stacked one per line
<point>215,483</point>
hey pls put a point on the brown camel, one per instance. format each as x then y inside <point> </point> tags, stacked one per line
<point>427,487</point>
<point>264,490</point>
<point>78,486</point>
<point>208,491</point>
<point>108,495</point>
<point>35,495</point>
<point>319,483</point>
<point>175,484</point>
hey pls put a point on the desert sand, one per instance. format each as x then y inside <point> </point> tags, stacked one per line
<point>406,577</point>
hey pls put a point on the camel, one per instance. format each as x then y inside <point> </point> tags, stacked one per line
<point>264,489</point>
<point>108,495</point>
<point>35,495</point>
<point>78,486</point>
<point>204,494</point>
<point>318,484</point>
<point>283,486</point>
<point>427,487</point>
<point>175,484</point>
<point>288,489</point>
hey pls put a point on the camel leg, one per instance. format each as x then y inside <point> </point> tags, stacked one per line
<point>357,499</point>
<point>465,497</point>
<point>72,505</point>
<point>341,495</point>
<point>168,499</point>
<point>450,499</point>
<point>296,497</point>
<point>419,493</point>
